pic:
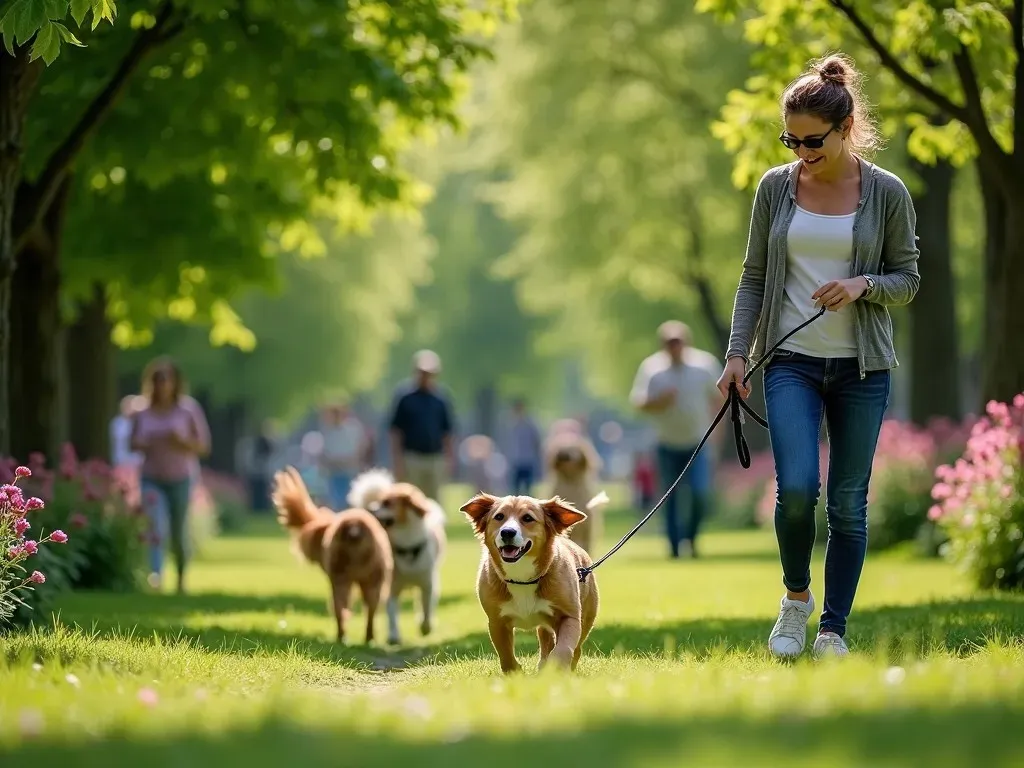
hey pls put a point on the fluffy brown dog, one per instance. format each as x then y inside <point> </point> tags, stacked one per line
<point>527,578</point>
<point>351,547</point>
<point>574,464</point>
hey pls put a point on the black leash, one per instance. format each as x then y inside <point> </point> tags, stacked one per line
<point>733,404</point>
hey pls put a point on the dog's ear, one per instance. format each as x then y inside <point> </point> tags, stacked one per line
<point>477,509</point>
<point>561,515</point>
<point>417,502</point>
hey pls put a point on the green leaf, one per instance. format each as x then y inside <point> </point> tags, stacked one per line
<point>79,10</point>
<point>47,44</point>
<point>103,9</point>
<point>67,35</point>
<point>22,19</point>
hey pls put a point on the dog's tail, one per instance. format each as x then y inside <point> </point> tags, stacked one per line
<point>598,501</point>
<point>369,486</point>
<point>296,511</point>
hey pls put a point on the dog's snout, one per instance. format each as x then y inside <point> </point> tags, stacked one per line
<point>508,534</point>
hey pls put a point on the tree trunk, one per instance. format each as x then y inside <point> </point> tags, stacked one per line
<point>697,274</point>
<point>934,347</point>
<point>35,335</point>
<point>1002,361</point>
<point>92,390</point>
<point>18,79</point>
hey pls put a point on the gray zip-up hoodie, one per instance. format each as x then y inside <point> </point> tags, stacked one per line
<point>884,247</point>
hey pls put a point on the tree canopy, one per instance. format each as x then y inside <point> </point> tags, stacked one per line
<point>598,119</point>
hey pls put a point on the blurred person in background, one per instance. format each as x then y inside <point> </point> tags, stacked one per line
<point>523,449</point>
<point>121,454</point>
<point>422,427</point>
<point>343,453</point>
<point>255,460</point>
<point>171,433</point>
<point>680,394</point>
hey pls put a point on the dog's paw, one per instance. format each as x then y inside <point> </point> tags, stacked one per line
<point>426,627</point>
<point>512,669</point>
<point>560,658</point>
<point>394,640</point>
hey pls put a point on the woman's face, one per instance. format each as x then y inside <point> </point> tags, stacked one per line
<point>163,384</point>
<point>810,128</point>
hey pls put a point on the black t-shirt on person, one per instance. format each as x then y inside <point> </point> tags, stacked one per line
<point>423,417</point>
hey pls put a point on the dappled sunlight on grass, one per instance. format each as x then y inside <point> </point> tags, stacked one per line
<point>245,666</point>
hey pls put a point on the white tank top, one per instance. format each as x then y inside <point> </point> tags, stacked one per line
<point>820,249</point>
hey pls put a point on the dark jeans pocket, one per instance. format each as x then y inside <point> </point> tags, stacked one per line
<point>780,356</point>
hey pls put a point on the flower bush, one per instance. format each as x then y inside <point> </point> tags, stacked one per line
<point>102,507</point>
<point>980,499</point>
<point>16,548</point>
<point>229,499</point>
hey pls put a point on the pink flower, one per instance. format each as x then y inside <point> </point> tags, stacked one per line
<point>23,472</point>
<point>78,520</point>
<point>935,512</point>
<point>59,536</point>
<point>12,495</point>
<point>148,696</point>
<point>34,503</point>
<point>37,578</point>
<point>15,552</point>
<point>30,722</point>
<point>31,546</point>
<point>20,526</point>
<point>1018,400</point>
<point>941,491</point>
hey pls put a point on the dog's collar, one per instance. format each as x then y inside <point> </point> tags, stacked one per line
<point>412,552</point>
<point>526,583</point>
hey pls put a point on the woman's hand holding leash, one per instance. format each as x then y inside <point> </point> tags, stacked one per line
<point>735,368</point>
<point>836,294</point>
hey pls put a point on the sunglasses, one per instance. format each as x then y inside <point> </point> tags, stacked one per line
<point>814,142</point>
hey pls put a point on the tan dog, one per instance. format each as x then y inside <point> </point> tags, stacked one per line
<point>527,577</point>
<point>415,527</point>
<point>573,462</point>
<point>351,547</point>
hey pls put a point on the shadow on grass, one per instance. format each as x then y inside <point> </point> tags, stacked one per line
<point>959,627</point>
<point>947,734</point>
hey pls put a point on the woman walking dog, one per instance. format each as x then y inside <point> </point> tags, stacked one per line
<point>832,230</point>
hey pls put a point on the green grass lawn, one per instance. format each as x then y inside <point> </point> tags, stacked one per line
<point>675,673</point>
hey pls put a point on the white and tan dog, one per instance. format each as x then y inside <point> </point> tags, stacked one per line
<point>415,526</point>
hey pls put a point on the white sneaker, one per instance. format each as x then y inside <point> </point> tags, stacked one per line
<point>789,635</point>
<point>829,644</point>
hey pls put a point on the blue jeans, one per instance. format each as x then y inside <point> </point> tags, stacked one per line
<point>698,480</point>
<point>799,392</point>
<point>166,502</point>
<point>338,485</point>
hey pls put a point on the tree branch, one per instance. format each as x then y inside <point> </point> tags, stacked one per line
<point>991,153</point>
<point>1017,27</point>
<point>35,197</point>
<point>892,64</point>
<point>697,273</point>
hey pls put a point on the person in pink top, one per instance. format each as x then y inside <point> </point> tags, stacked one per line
<point>171,433</point>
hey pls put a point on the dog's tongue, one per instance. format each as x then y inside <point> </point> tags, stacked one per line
<point>509,551</point>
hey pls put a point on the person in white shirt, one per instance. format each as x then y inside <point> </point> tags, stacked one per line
<point>677,388</point>
<point>121,454</point>
<point>343,450</point>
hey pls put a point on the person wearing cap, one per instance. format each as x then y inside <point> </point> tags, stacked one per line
<point>421,428</point>
<point>677,388</point>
